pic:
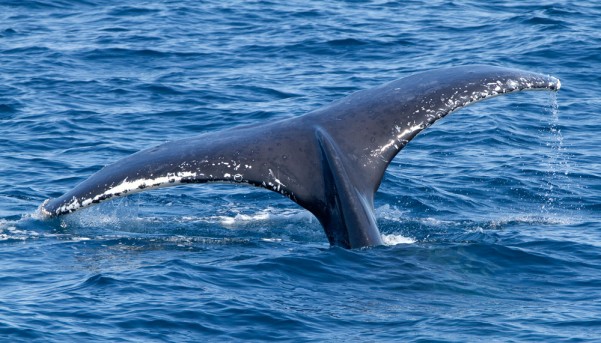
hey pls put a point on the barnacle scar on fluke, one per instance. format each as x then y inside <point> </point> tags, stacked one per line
<point>330,161</point>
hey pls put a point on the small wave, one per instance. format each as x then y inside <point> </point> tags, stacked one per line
<point>161,89</point>
<point>111,53</point>
<point>9,107</point>
<point>28,50</point>
<point>270,92</point>
<point>543,21</point>
<point>346,42</point>
<point>131,11</point>
<point>8,32</point>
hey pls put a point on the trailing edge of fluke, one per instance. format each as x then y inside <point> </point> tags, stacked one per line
<point>330,161</point>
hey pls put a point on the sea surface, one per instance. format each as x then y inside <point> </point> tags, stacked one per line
<point>492,217</point>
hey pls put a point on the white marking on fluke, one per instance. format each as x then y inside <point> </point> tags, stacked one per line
<point>127,187</point>
<point>279,183</point>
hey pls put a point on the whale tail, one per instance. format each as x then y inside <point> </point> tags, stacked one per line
<point>330,161</point>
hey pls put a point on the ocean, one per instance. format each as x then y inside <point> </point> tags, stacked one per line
<point>491,217</point>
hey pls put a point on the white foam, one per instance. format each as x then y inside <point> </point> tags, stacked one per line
<point>230,221</point>
<point>269,213</point>
<point>9,231</point>
<point>539,219</point>
<point>394,239</point>
<point>391,213</point>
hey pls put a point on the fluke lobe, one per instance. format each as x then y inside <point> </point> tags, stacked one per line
<point>330,161</point>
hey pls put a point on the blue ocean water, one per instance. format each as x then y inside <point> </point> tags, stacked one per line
<point>492,216</point>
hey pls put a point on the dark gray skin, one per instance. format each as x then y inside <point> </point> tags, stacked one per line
<point>330,161</point>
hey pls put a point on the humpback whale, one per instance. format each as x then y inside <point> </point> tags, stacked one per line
<point>330,161</point>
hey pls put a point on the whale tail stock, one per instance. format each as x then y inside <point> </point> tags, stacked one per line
<point>330,161</point>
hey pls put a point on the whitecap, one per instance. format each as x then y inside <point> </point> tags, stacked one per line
<point>395,239</point>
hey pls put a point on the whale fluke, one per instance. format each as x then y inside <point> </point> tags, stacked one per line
<point>330,161</point>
